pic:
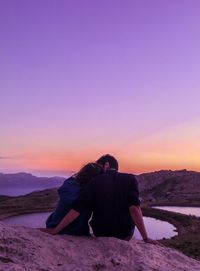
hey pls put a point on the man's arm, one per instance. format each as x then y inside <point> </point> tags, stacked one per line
<point>136,215</point>
<point>135,210</point>
<point>84,202</point>
<point>67,219</point>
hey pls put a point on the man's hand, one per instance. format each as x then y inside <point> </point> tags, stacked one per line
<point>151,241</point>
<point>49,231</point>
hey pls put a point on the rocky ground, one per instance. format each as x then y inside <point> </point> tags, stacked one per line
<point>25,249</point>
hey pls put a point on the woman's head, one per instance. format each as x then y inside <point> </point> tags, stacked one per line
<point>87,172</point>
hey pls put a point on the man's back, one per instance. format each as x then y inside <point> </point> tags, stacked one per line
<point>109,196</point>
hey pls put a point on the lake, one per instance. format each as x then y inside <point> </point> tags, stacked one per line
<point>156,229</point>
<point>182,210</point>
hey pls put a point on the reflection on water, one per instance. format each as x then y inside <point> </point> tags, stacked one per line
<point>156,229</point>
<point>183,210</point>
<point>36,220</point>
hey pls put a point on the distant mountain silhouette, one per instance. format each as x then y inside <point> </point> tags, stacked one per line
<point>162,187</point>
<point>27,180</point>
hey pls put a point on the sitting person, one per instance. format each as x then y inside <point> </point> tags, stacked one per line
<point>68,194</point>
<point>114,199</point>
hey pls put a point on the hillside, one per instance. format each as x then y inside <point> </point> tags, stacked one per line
<point>38,201</point>
<point>170,187</point>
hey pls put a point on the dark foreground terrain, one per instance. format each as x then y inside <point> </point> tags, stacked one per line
<point>165,187</point>
<point>188,227</point>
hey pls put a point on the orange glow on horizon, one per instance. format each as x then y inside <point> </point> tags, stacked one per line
<point>64,164</point>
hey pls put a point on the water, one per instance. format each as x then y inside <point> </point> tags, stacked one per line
<point>156,229</point>
<point>36,220</point>
<point>183,210</point>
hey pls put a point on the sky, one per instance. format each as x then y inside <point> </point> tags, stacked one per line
<point>84,78</point>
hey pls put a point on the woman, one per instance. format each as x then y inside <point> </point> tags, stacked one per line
<point>68,193</point>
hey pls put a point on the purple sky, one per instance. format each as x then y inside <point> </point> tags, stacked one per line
<point>84,78</point>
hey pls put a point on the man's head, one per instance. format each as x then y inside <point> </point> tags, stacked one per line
<point>108,162</point>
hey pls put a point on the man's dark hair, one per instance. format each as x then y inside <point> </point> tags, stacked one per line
<point>110,159</point>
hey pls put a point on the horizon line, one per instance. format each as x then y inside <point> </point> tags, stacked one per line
<point>52,173</point>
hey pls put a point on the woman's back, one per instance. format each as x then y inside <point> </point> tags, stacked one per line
<point>68,194</point>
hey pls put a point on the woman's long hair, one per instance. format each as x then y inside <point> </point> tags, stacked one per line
<point>87,172</point>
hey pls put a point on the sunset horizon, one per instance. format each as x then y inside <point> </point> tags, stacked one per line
<point>82,79</point>
<point>100,135</point>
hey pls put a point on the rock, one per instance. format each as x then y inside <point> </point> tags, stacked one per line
<point>27,249</point>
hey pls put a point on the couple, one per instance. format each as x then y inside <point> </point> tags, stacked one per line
<point>98,189</point>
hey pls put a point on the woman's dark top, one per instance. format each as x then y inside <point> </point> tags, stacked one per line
<point>68,193</point>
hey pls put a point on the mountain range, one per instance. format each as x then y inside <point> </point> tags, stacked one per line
<point>163,187</point>
<point>27,180</point>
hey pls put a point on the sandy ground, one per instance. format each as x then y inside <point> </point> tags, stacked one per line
<point>29,249</point>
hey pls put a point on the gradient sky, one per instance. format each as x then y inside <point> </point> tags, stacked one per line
<point>80,78</point>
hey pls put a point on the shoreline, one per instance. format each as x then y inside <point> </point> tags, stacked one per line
<point>176,205</point>
<point>187,239</point>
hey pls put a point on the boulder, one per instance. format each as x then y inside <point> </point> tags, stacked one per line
<point>24,248</point>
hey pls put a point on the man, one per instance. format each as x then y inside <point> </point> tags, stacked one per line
<point>113,198</point>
